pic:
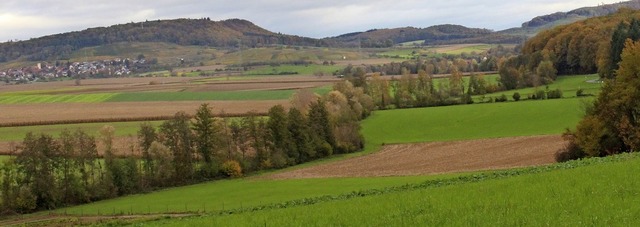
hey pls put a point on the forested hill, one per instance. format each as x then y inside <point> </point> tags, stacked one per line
<point>583,47</point>
<point>439,34</point>
<point>203,32</point>
<point>540,23</point>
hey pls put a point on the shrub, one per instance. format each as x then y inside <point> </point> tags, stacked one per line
<point>580,93</point>
<point>554,94</point>
<point>516,96</point>
<point>502,98</point>
<point>539,95</point>
<point>231,168</point>
<point>571,151</point>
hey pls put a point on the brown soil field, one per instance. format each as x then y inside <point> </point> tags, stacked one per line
<point>93,83</point>
<point>439,157</point>
<point>48,112</point>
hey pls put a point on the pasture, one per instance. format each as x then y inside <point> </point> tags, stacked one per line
<point>236,194</point>
<point>588,192</point>
<point>464,122</point>
<point>568,84</point>
<point>296,69</point>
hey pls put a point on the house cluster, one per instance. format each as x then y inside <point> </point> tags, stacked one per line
<point>47,71</point>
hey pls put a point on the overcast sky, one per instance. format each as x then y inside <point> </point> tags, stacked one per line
<point>24,19</point>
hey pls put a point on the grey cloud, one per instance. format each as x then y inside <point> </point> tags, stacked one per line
<point>33,18</point>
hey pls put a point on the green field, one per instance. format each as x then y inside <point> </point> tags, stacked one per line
<point>40,98</point>
<point>592,192</point>
<point>155,96</point>
<point>568,84</point>
<point>122,129</point>
<point>475,121</point>
<point>299,69</point>
<point>237,194</point>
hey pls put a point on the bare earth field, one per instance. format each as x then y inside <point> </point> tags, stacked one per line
<point>47,112</point>
<point>439,157</point>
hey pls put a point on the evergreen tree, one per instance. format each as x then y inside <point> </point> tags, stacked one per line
<point>299,129</point>
<point>205,133</point>
<point>282,144</point>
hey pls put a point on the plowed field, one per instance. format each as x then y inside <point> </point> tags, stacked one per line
<point>439,157</point>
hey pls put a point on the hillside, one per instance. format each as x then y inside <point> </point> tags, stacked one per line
<point>581,47</point>
<point>540,23</point>
<point>199,32</point>
<point>439,34</point>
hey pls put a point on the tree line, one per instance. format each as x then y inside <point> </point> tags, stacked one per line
<point>589,46</point>
<point>443,64</point>
<point>48,172</point>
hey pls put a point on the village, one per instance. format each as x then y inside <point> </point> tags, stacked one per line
<point>46,71</point>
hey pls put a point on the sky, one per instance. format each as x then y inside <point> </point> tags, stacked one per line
<point>25,19</point>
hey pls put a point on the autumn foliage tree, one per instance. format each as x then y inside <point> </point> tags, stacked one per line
<point>612,125</point>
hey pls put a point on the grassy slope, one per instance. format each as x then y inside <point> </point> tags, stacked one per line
<point>238,193</point>
<point>600,194</point>
<point>476,121</point>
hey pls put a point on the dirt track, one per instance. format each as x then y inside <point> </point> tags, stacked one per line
<point>439,157</point>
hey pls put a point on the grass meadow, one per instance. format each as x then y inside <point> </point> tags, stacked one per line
<point>464,122</point>
<point>299,69</point>
<point>568,84</point>
<point>237,194</point>
<point>596,192</point>
<point>155,96</point>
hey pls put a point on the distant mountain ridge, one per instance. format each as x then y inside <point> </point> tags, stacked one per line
<point>200,32</point>
<point>540,23</point>
<point>238,32</point>
<point>438,34</point>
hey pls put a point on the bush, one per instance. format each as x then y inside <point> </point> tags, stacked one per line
<point>502,98</point>
<point>231,168</point>
<point>516,96</point>
<point>554,94</point>
<point>571,151</point>
<point>580,93</point>
<point>538,95</point>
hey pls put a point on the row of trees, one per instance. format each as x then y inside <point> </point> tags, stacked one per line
<point>420,90</point>
<point>76,167</point>
<point>438,65</point>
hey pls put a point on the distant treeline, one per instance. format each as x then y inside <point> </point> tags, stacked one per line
<point>434,35</point>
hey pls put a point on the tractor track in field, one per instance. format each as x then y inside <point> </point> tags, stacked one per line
<point>439,157</point>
